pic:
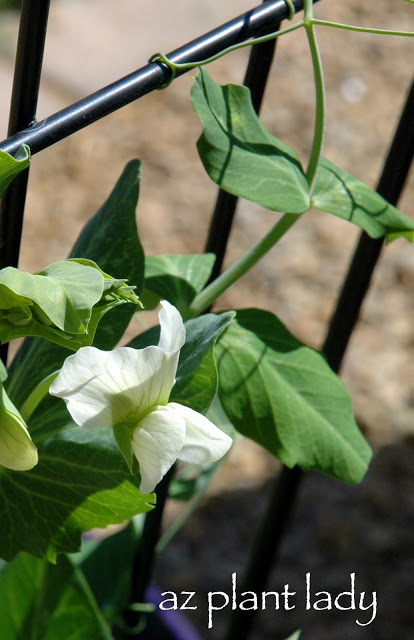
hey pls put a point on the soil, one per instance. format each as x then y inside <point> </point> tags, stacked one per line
<point>337,529</point>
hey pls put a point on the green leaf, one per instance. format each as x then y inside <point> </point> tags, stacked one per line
<point>110,239</point>
<point>294,636</point>
<point>63,303</point>
<point>11,166</point>
<point>339,193</point>
<point>41,601</point>
<point>58,299</point>
<point>284,396</point>
<point>80,482</point>
<point>196,383</point>
<point>238,152</point>
<point>218,416</point>
<point>176,278</point>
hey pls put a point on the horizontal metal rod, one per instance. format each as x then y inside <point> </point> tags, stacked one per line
<point>145,80</point>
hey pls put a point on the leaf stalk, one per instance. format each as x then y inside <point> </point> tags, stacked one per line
<point>209,295</point>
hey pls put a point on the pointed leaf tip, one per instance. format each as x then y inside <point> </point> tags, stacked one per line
<point>344,196</point>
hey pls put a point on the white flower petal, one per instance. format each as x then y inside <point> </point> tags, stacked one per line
<point>156,443</point>
<point>17,450</point>
<point>203,442</point>
<point>106,388</point>
<point>172,335</point>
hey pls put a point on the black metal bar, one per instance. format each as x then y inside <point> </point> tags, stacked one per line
<point>267,542</point>
<point>145,554</point>
<point>152,76</point>
<point>28,66</point>
<point>355,286</point>
<point>257,73</point>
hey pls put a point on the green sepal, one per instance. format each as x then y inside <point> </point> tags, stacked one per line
<point>122,434</point>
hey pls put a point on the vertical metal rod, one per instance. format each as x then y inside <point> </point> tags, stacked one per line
<point>267,543</point>
<point>145,554</point>
<point>25,92</point>
<point>257,73</point>
<point>356,283</point>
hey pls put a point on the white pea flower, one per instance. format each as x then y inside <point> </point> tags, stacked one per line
<point>129,390</point>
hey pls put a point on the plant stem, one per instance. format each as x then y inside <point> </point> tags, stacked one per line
<point>160,57</point>
<point>351,27</point>
<point>318,134</point>
<point>308,10</point>
<point>206,297</point>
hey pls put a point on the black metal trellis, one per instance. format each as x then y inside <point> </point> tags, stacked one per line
<point>24,129</point>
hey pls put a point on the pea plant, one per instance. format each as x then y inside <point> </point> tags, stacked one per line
<point>90,433</point>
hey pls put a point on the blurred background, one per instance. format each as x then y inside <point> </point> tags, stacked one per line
<point>338,529</point>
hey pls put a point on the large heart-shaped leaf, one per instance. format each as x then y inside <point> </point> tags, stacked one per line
<point>283,395</point>
<point>341,194</point>
<point>11,166</point>
<point>110,238</point>
<point>42,601</point>
<point>238,152</point>
<point>243,158</point>
<point>80,482</point>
